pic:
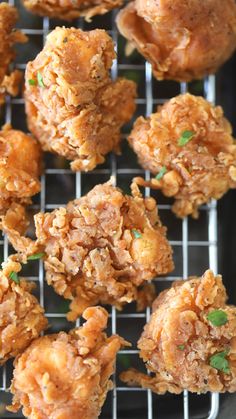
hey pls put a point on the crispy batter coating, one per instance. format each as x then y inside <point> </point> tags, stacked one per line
<point>75,109</point>
<point>100,248</point>
<point>21,317</point>
<point>71,9</point>
<point>67,375</point>
<point>182,39</point>
<point>20,167</point>
<point>9,37</point>
<point>179,341</point>
<point>203,168</point>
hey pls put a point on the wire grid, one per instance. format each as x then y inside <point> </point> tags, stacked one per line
<point>207,246</point>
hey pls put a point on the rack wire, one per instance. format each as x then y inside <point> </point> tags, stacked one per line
<point>185,243</point>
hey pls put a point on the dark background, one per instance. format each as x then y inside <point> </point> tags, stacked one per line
<point>226,97</point>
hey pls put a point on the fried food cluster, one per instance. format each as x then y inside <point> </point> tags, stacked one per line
<point>184,39</point>
<point>190,340</point>
<point>99,248</point>
<point>71,9</point>
<point>67,375</point>
<point>9,83</point>
<point>73,107</point>
<point>21,317</point>
<point>188,145</point>
<point>20,167</point>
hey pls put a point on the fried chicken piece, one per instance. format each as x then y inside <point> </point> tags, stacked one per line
<point>20,167</point>
<point>190,341</point>
<point>21,317</point>
<point>67,375</point>
<point>73,107</point>
<point>188,144</point>
<point>71,9</point>
<point>184,39</point>
<point>9,36</point>
<point>100,248</point>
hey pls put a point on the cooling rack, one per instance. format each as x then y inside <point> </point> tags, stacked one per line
<point>194,242</point>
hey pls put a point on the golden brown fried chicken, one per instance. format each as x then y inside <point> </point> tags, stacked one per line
<point>71,9</point>
<point>100,248</point>
<point>67,375</point>
<point>190,340</point>
<point>73,107</point>
<point>182,39</point>
<point>9,83</point>
<point>21,317</point>
<point>188,145</point>
<point>20,166</point>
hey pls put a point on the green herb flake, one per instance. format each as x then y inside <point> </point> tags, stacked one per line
<point>186,136</point>
<point>161,173</point>
<point>217,317</point>
<point>13,275</point>
<point>219,362</point>
<point>136,234</point>
<point>36,256</point>
<point>32,82</point>
<point>40,80</point>
<point>65,40</point>
<point>181,347</point>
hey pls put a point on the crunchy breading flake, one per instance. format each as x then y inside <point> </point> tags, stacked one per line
<point>193,141</point>
<point>67,375</point>
<point>71,9</point>
<point>9,83</point>
<point>91,253</point>
<point>183,40</point>
<point>20,167</point>
<point>180,344</point>
<point>73,107</point>
<point>21,317</point>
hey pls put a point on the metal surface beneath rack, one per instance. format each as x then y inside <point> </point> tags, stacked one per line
<point>185,238</point>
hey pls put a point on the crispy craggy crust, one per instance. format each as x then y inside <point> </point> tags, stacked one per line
<point>9,37</point>
<point>79,111</point>
<point>202,169</point>
<point>71,9</point>
<point>21,317</point>
<point>184,39</point>
<point>20,167</point>
<point>179,340</point>
<point>91,253</point>
<point>67,375</point>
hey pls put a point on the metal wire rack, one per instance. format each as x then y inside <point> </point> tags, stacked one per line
<point>194,243</point>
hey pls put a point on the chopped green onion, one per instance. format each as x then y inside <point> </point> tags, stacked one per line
<point>217,317</point>
<point>32,82</point>
<point>186,136</point>
<point>40,79</point>
<point>181,347</point>
<point>36,256</point>
<point>136,234</point>
<point>13,275</point>
<point>219,362</point>
<point>161,173</point>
